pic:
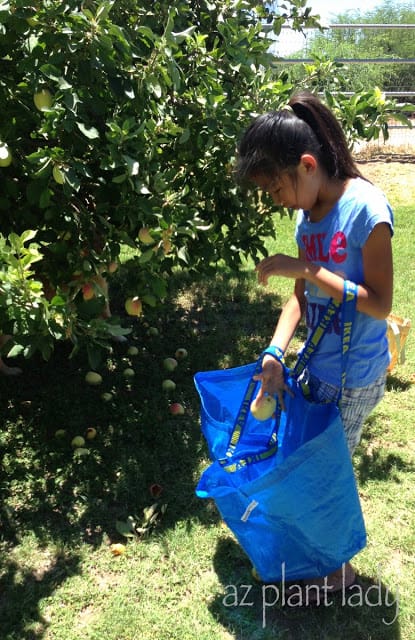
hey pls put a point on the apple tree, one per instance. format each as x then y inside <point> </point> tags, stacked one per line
<point>118,127</point>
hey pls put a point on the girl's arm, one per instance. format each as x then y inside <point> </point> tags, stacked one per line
<point>272,374</point>
<point>374,294</point>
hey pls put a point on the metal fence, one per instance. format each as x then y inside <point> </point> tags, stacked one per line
<point>292,47</point>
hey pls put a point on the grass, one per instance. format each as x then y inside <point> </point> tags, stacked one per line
<point>186,578</point>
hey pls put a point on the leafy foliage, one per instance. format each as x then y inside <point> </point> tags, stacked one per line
<point>121,120</point>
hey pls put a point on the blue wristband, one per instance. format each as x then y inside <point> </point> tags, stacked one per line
<point>274,351</point>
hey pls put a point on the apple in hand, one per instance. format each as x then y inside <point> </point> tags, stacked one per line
<point>263,408</point>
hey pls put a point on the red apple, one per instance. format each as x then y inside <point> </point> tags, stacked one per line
<point>133,306</point>
<point>88,291</point>
<point>176,409</point>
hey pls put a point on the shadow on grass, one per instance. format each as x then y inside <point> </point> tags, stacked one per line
<point>247,609</point>
<point>374,462</point>
<point>22,589</point>
<point>64,499</point>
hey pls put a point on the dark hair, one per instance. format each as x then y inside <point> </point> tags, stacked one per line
<point>275,141</point>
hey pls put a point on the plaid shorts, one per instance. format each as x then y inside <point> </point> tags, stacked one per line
<point>355,404</point>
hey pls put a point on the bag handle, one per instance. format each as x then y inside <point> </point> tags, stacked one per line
<point>348,305</point>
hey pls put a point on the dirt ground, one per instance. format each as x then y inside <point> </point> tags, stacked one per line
<point>396,179</point>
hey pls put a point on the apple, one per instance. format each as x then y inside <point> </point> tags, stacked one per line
<point>106,396</point>
<point>168,385</point>
<point>170,364</point>
<point>176,409</point>
<point>91,433</point>
<point>128,373</point>
<point>60,433</point>
<point>43,99</point>
<point>144,236</point>
<point>264,408</point>
<point>78,441</point>
<point>58,174</point>
<point>152,331</point>
<point>133,306</point>
<point>117,549</point>
<point>88,291</point>
<point>181,353</point>
<point>5,155</point>
<point>132,351</point>
<point>94,378</point>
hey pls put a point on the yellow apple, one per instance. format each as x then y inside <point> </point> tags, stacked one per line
<point>145,236</point>
<point>94,378</point>
<point>43,99</point>
<point>264,408</point>
<point>5,155</point>
<point>78,441</point>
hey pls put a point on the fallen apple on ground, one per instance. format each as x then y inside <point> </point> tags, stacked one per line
<point>176,409</point>
<point>78,441</point>
<point>132,351</point>
<point>263,408</point>
<point>168,385</point>
<point>170,364</point>
<point>94,378</point>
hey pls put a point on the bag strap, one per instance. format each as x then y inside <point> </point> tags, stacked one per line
<point>348,305</point>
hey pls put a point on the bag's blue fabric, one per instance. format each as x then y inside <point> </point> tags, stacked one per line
<point>294,508</point>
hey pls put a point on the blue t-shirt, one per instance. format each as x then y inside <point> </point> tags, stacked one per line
<point>336,243</point>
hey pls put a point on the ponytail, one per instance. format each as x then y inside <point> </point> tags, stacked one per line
<point>335,155</point>
<point>275,141</point>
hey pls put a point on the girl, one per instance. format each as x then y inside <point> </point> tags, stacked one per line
<point>344,227</point>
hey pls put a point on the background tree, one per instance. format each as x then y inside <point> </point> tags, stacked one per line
<point>361,43</point>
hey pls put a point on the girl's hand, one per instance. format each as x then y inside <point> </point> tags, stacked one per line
<point>272,380</point>
<point>280,265</point>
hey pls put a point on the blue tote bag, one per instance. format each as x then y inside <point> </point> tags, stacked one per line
<point>284,486</point>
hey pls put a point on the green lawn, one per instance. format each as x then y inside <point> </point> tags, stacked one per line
<point>59,512</point>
